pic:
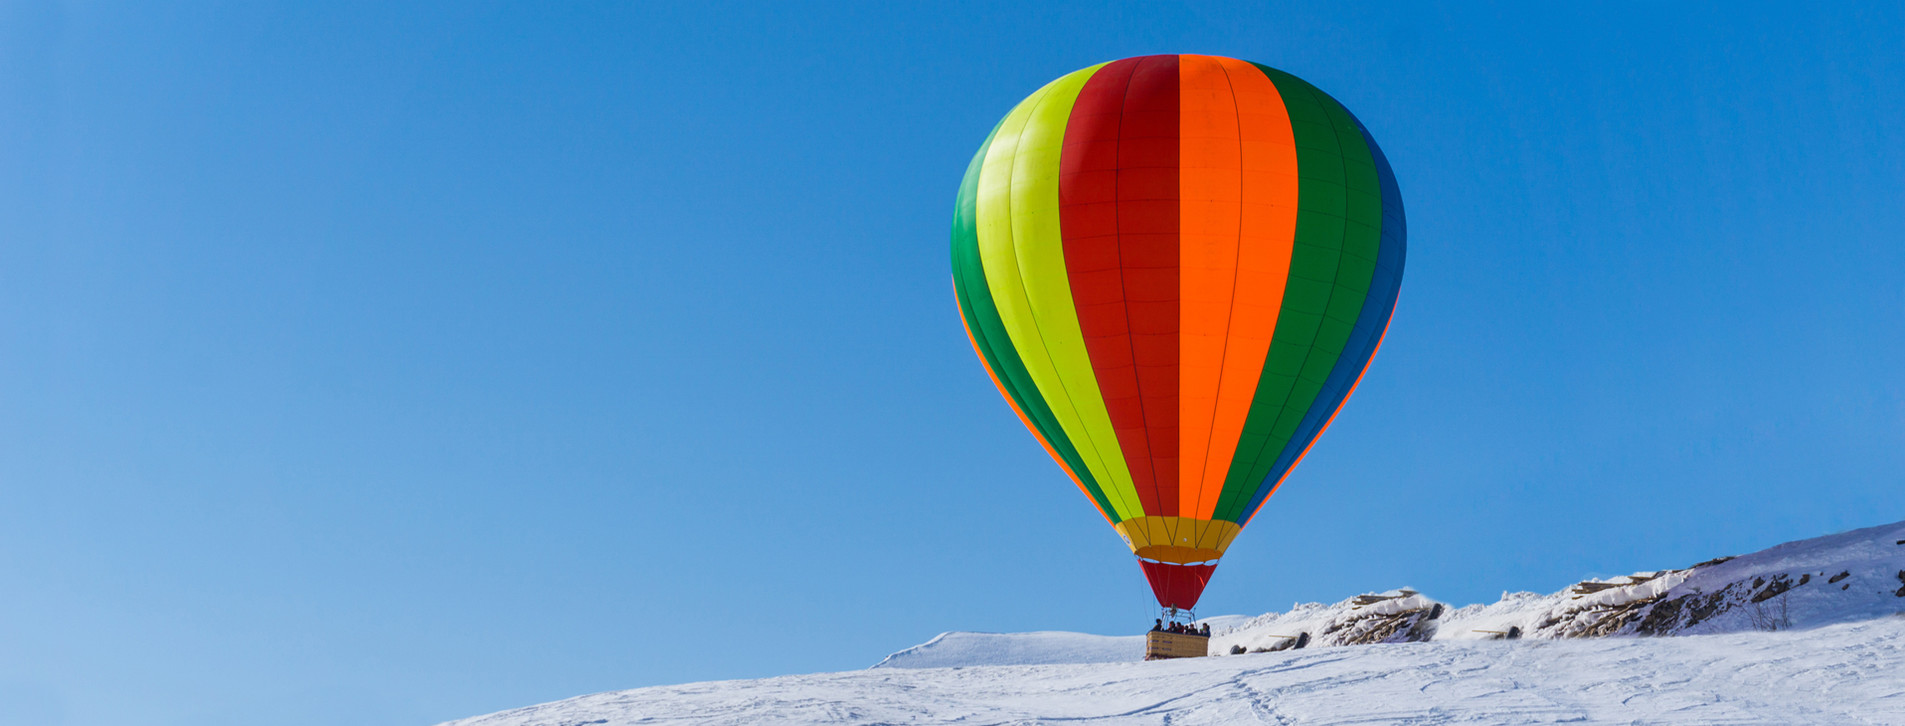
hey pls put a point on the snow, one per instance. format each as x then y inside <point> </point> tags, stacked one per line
<point>1845,577</point>
<point>1396,616</point>
<point>1047,647</point>
<point>1805,632</point>
<point>1852,673</point>
<point>1040,648</point>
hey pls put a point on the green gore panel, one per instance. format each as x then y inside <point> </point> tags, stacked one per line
<point>982,318</point>
<point>1339,218</point>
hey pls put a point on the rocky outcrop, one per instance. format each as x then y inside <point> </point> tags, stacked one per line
<point>1838,578</point>
<point>1395,616</point>
<point>1414,621</point>
<point>1799,584</point>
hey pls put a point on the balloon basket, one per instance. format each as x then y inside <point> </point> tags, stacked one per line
<point>1160,645</point>
<point>1174,637</point>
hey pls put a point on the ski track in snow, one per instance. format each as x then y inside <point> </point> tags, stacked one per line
<point>1850,673</point>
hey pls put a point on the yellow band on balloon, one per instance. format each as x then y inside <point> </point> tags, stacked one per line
<point>1023,256</point>
<point>1195,540</point>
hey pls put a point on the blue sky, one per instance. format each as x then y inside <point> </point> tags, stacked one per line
<point>383,366</point>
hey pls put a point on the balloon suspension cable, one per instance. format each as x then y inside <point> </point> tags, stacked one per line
<point>1183,616</point>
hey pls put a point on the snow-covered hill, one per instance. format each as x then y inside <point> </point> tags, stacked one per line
<point>958,649</point>
<point>1808,632</point>
<point>1856,575</point>
<point>1041,648</point>
<point>1850,576</point>
<point>1851,673</point>
<point>1396,616</point>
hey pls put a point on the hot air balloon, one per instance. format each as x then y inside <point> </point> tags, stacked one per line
<point>1176,269</point>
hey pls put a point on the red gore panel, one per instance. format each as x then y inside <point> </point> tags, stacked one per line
<point>1177,586</point>
<point>1118,213</point>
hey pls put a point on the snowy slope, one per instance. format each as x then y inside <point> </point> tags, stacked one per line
<point>1850,576</point>
<point>1852,673</point>
<point>1856,575</point>
<point>1809,632</point>
<point>1843,577</point>
<point>1396,616</point>
<point>1040,648</point>
<point>958,648</point>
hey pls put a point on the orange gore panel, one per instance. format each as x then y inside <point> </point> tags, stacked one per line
<point>1238,221</point>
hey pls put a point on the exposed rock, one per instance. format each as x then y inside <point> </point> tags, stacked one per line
<point>1296,643</point>
<point>1396,616</point>
<point>1766,590</point>
<point>1403,627</point>
<point>1361,600</point>
<point>1589,588</point>
<point>1655,603</point>
<point>1779,585</point>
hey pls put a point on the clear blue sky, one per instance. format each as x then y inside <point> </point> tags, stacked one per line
<point>368,365</point>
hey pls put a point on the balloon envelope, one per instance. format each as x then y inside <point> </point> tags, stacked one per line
<point>1176,269</point>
